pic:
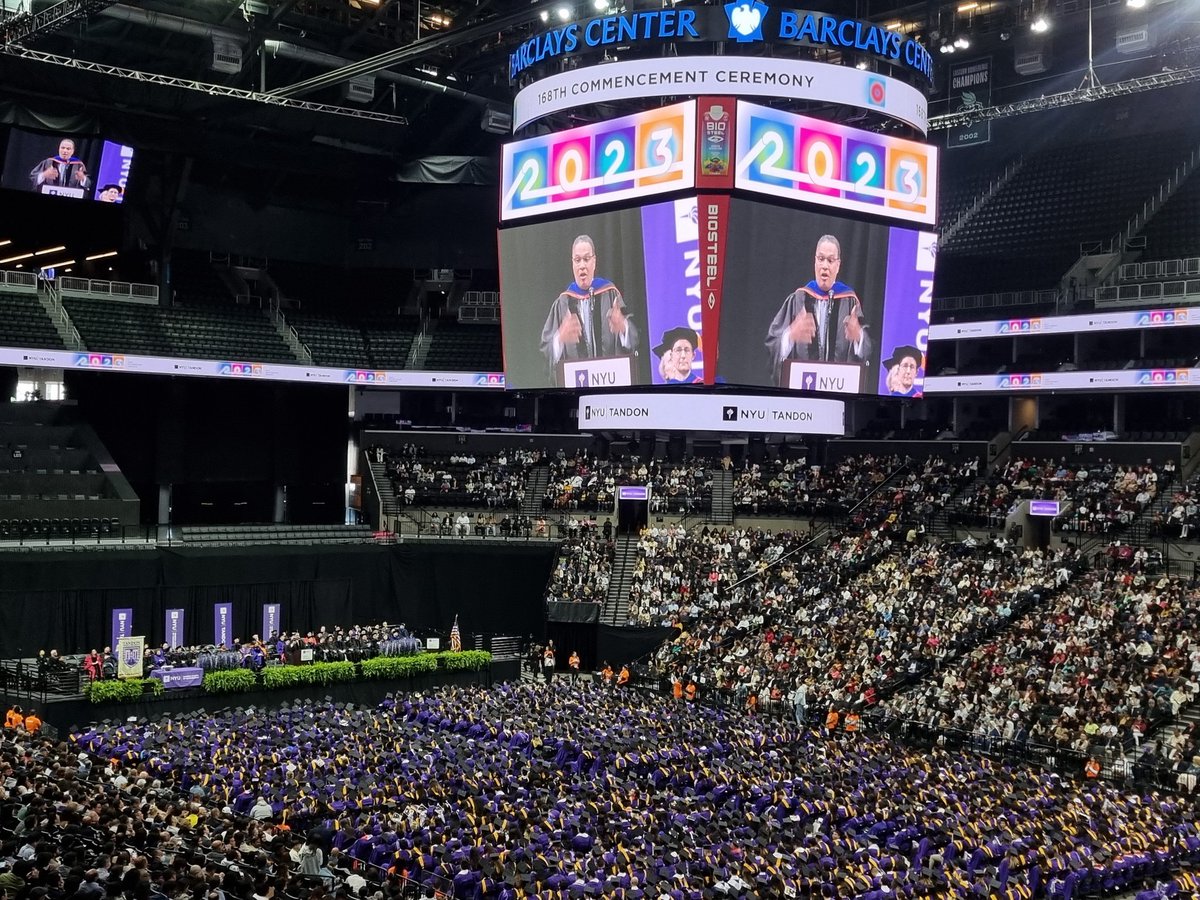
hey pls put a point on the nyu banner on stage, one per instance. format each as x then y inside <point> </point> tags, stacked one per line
<point>671,245</point>
<point>122,625</point>
<point>174,628</point>
<point>270,620</point>
<point>223,624</point>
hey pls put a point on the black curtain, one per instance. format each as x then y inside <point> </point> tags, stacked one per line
<point>65,600</point>
<point>573,612</point>
<point>624,645</point>
<point>577,636</point>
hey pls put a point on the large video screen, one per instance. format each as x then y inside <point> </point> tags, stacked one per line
<point>603,300</point>
<point>820,303</point>
<point>66,165</point>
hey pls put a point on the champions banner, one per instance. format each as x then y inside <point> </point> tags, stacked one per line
<point>174,628</point>
<point>714,230</point>
<point>270,620</point>
<point>970,90</point>
<point>222,624</point>
<point>122,625</point>
<point>671,252</point>
<point>129,656</point>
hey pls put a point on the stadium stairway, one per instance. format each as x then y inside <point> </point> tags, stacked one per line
<point>535,490</point>
<point>722,497</point>
<point>388,500</point>
<point>419,350</point>
<point>616,604</point>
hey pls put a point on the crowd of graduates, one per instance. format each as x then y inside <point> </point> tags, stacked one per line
<point>554,792</point>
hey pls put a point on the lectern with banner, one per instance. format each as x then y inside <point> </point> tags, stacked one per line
<point>633,508</point>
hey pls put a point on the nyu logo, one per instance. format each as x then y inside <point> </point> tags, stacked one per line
<point>729,413</point>
<point>581,378</point>
<point>808,381</point>
<point>745,20</point>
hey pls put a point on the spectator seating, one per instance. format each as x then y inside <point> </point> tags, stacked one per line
<point>587,483</point>
<point>456,346</point>
<point>389,341</point>
<point>584,566</point>
<point>332,340</point>
<point>1174,232</point>
<point>234,535</point>
<point>497,481</point>
<point>24,323</point>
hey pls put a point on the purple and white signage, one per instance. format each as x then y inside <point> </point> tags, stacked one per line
<point>174,628</point>
<point>122,625</point>
<point>223,624</point>
<point>270,620</point>
<point>174,679</point>
<point>1044,508</point>
<point>904,335</point>
<point>113,174</point>
<point>633,492</point>
<point>671,245</point>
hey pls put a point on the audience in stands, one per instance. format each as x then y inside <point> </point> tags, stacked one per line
<point>1105,496</point>
<point>460,479</point>
<point>585,482</point>
<point>584,567</point>
<point>1110,655</point>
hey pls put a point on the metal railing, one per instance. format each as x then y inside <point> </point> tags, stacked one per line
<point>113,290</point>
<point>1005,299</point>
<point>1186,267</point>
<point>1184,291</point>
<point>24,282</point>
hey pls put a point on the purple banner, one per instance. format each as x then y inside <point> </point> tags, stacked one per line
<point>173,679</point>
<point>115,162</point>
<point>671,245</point>
<point>174,628</point>
<point>908,299</point>
<point>270,620</point>
<point>633,492</point>
<point>1043,507</point>
<point>222,624</point>
<point>122,625</point>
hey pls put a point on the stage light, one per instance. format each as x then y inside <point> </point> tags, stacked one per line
<point>564,14</point>
<point>57,265</point>
<point>968,7</point>
<point>100,256</point>
<point>962,43</point>
<point>861,65</point>
<point>545,15</point>
<point>1135,4</point>
<point>15,258</point>
<point>57,249</point>
<point>601,5</point>
<point>1040,25</point>
<point>5,242</point>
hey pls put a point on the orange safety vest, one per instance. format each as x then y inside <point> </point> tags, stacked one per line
<point>13,719</point>
<point>1091,769</point>
<point>831,720</point>
<point>32,723</point>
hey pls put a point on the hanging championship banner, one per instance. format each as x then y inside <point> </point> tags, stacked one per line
<point>970,89</point>
<point>129,656</point>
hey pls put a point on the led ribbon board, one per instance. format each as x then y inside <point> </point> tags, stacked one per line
<point>639,155</point>
<point>807,160</point>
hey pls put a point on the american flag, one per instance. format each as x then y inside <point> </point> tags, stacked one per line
<point>455,637</point>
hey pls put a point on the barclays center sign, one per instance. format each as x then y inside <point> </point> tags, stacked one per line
<point>740,22</point>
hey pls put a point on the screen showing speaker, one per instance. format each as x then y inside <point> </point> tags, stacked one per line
<point>81,167</point>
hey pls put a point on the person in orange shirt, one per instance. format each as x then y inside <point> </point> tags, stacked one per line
<point>32,723</point>
<point>691,690</point>
<point>14,718</point>
<point>607,674</point>
<point>831,720</point>
<point>623,678</point>
<point>677,688</point>
<point>573,662</point>
<point>752,704</point>
<point>852,720</point>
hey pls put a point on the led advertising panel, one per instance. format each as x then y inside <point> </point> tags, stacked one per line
<point>713,412</point>
<point>811,161</point>
<point>815,302</point>
<point>639,155</point>
<point>66,165</point>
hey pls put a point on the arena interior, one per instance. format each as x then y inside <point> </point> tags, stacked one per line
<point>427,469</point>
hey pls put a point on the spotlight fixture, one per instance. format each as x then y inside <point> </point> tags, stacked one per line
<point>600,5</point>
<point>961,43</point>
<point>860,65</point>
<point>564,14</point>
<point>1135,4</point>
<point>545,15</point>
<point>1040,25</point>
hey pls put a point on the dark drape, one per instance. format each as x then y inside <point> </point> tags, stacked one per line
<point>65,600</point>
<point>622,645</point>
<point>577,636</point>
<point>573,612</point>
